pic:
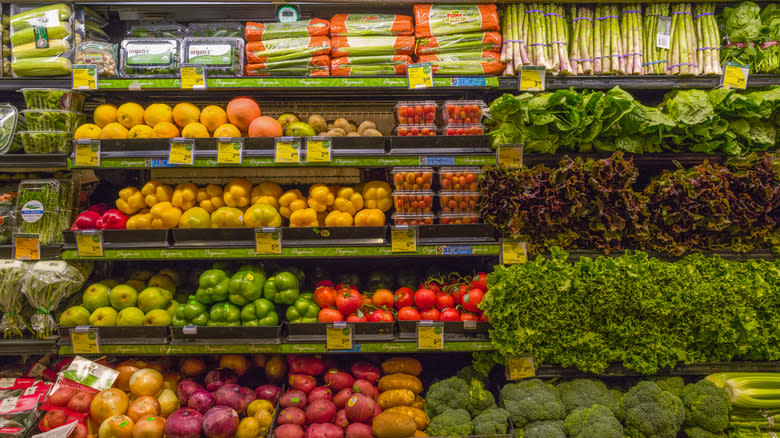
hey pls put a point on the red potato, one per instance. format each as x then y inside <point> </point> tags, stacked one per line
<point>303,382</point>
<point>306,365</point>
<point>340,399</point>
<point>366,388</point>
<point>358,430</point>
<point>268,392</point>
<point>80,402</point>
<point>324,430</point>
<point>293,398</point>
<point>53,419</point>
<point>288,431</point>
<point>366,371</point>
<point>359,408</point>
<point>291,415</point>
<point>338,380</point>
<point>62,396</point>
<point>341,419</point>
<point>320,411</point>
<point>320,392</point>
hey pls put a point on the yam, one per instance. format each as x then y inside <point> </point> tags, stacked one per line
<point>400,381</point>
<point>393,425</point>
<point>406,365</point>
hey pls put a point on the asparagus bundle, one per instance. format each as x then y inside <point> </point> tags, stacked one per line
<point>708,37</point>
<point>558,40</point>
<point>507,24</point>
<point>609,51</point>
<point>537,36</point>
<point>581,51</point>
<point>654,56</point>
<point>682,53</point>
<point>631,31</point>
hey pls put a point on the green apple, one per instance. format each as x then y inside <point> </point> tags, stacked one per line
<point>130,316</point>
<point>159,317</point>
<point>95,296</point>
<point>141,275</point>
<point>110,282</point>
<point>123,296</point>
<point>103,317</point>
<point>136,284</point>
<point>153,298</point>
<point>172,308</point>
<point>163,281</point>
<point>73,316</point>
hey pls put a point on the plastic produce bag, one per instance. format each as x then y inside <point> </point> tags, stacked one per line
<point>370,65</point>
<point>101,54</point>
<point>42,40</point>
<point>455,65</point>
<point>372,24</point>
<point>8,122</point>
<point>378,45</point>
<point>43,207</point>
<point>156,57</point>
<point>219,55</point>
<point>172,31</point>
<point>459,43</point>
<point>217,29</point>
<point>274,63</point>
<point>46,284</point>
<point>287,48</point>
<point>255,32</point>
<point>12,273</point>
<point>451,19</point>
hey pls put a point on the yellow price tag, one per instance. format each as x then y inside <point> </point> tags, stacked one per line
<point>287,150</point>
<point>192,77</point>
<point>338,338</point>
<point>268,240</point>
<point>89,244</point>
<point>532,78</point>
<point>84,77</point>
<point>510,157</point>
<point>229,151</point>
<point>735,75</point>
<point>513,252</point>
<point>420,75</point>
<point>430,337</point>
<point>87,153</point>
<point>403,239</point>
<point>85,342</point>
<point>520,368</point>
<point>27,247</point>
<point>182,152</point>
<point>317,150</point>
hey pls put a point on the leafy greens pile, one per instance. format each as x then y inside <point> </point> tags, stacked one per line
<point>753,36</point>
<point>634,310</point>
<point>593,121</point>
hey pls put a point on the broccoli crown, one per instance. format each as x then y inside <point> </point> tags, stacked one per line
<point>452,393</point>
<point>468,372</point>
<point>532,400</point>
<point>649,412</point>
<point>543,429</point>
<point>452,422</point>
<point>674,384</point>
<point>596,421</point>
<point>490,422</point>
<point>584,393</point>
<point>479,398</point>
<point>706,406</point>
<point>697,432</point>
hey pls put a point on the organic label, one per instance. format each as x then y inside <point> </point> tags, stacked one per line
<point>420,75</point>
<point>230,151</point>
<point>663,36</point>
<point>210,54</point>
<point>430,336</point>
<point>268,240</point>
<point>510,157</point>
<point>87,153</point>
<point>182,151</point>
<point>519,368</point>
<point>735,75</point>
<point>338,338</point>
<point>85,77</point>
<point>318,150</point>
<point>403,239</point>
<point>86,342</point>
<point>513,252</point>
<point>287,150</point>
<point>193,77</point>
<point>89,243</point>
<point>41,35</point>
<point>27,247</point>
<point>150,53</point>
<point>531,78</point>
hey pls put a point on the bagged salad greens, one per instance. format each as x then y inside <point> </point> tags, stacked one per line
<point>459,42</point>
<point>53,120</point>
<point>52,98</point>
<point>219,55</point>
<point>255,32</point>
<point>287,48</point>
<point>12,273</point>
<point>438,19</point>
<point>371,24</point>
<point>375,45</point>
<point>46,284</point>
<point>217,29</point>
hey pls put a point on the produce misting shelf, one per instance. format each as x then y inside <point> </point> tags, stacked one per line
<point>551,371</point>
<point>19,347</point>
<point>33,161</point>
<point>649,82</point>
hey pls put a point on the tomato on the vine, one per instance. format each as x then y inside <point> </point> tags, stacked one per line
<point>324,296</point>
<point>430,315</point>
<point>458,293</point>
<point>479,281</point>
<point>380,315</point>
<point>472,299</point>
<point>330,315</point>
<point>403,297</point>
<point>468,316</point>
<point>348,301</point>
<point>450,314</point>
<point>357,317</point>
<point>444,301</point>
<point>383,298</point>
<point>424,298</point>
<point>408,313</point>
<point>432,285</point>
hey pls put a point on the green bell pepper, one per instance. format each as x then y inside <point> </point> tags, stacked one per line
<point>213,286</point>
<point>246,285</point>
<point>225,315</point>
<point>302,310</point>
<point>192,312</point>
<point>259,313</point>
<point>281,288</point>
<point>307,295</point>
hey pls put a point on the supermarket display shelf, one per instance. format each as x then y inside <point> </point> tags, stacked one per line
<point>48,252</point>
<point>759,254</point>
<point>701,369</point>
<point>17,347</point>
<point>13,84</point>
<point>33,161</point>
<point>639,82</point>
<point>663,159</point>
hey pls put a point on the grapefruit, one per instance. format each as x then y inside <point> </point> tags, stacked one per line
<point>104,114</point>
<point>241,111</point>
<point>265,126</point>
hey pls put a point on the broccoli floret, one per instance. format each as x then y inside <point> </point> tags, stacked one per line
<point>491,422</point>
<point>617,394</point>
<point>706,406</point>
<point>452,422</point>
<point>649,412</point>
<point>596,421</point>
<point>452,393</point>
<point>532,400</point>
<point>697,432</point>
<point>584,393</point>
<point>542,429</point>
<point>674,384</point>
<point>468,372</point>
<point>479,398</point>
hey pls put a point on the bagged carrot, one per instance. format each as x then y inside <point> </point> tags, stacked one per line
<point>296,29</point>
<point>286,48</point>
<point>451,19</point>
<point>376,45</point>
<point>459,42</point>
<point>371,24</point>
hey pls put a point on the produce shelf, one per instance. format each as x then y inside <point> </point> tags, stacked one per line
<point>33,161</point>
<point>649,82</point>
<point>17,347</point>
<point>48,252</point>
<point>551,371</point>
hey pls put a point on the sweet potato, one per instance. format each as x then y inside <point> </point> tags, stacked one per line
<point>400,381</point>
<point>395,397</point>
<point>419,402</point>
<point>406,365</point>
<point>419,416</point>
<point>393,425</point>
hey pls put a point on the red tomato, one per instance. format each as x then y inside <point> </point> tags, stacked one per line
<point>483,317</point>
<point>444,301</point>
<point>380,315</point>
<point>450,314</point>
<point>341,286</point>
<point>458,293</point>
<point>324,297</point>
<point>327,283</point>
<point>355,317</point>
<point>432,285</point>
<point>348,301</point>
<point>408,313</point>
<point>424,298</point>
<point>472,299</point>
<point>403,297</point>
<point>430,315</point>
<point>479,281</point>
<point>330,315</point>
<point>383,298</point>
<point>465,316</point>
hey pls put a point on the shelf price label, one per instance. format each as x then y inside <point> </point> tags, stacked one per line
<point>27,247</point>
<point>420,75</point>
<point>510,157</point>
<point>268,240</point>
<point>85,77</point>
<point>403,239</point>
<point>318,150</point>
<point>182,151</point>
<point>531,78</point>
<point>513,252</point>
<point>735,75</point>
<point>86,153</point>
<point>338,336</point>
<point>89,243</point>
<point>85,340</point>
<point>230,150</point>
<point>430,335</point>
<point>518,368</point>
<point>287,150</point>
<point>193,77</point>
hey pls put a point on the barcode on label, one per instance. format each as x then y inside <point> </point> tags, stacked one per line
<point>663,35</point>
<point>662,41</point>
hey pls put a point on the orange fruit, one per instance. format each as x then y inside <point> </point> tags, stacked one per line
<point>156,113</point>
<point>195,130</point>
<point>104,114</point>
<point>87,131</point>
<point>185,113</point>
<point>227,130</point>
<point>113,131</point>
<point>141,131</point>
<point>213,117</point>
<point>130,114</point>
<point>166,130</point>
